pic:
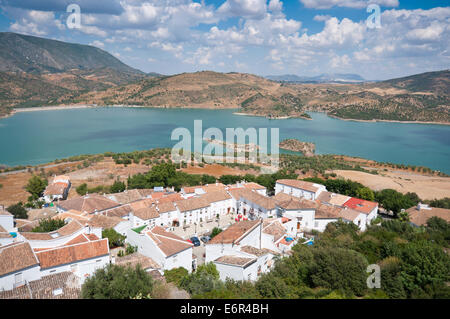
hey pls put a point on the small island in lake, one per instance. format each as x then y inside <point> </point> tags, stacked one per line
<point>292,144</point>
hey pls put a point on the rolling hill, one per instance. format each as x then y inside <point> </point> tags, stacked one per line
<point>23,53</point>
<point>39,72</point>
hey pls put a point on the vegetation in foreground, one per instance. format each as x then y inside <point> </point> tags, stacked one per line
<point>413,261</point>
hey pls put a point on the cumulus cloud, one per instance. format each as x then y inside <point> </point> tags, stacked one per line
<point>253,9</point>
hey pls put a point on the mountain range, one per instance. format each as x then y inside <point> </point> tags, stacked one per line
<point>39,72</point>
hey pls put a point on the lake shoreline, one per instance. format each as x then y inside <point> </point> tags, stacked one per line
<point>386,121</point>
<point>86,106</point>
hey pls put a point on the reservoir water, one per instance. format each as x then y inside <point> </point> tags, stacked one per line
<point>31,138</point>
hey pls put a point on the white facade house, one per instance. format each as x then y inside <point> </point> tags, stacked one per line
<point>255,205</point>
<point>238,251</point>
<point>18,264</point>
<point>168,214</point>
<point>81,258</point>
<point>58,189</point>
<point>56,238</point>
<point>193,210</point>
<point>166,249</point>
<point>243,266</point>
<point>220,203</point>
<point>145,216</point>
<point>6,220</point>
<point>299,189</point>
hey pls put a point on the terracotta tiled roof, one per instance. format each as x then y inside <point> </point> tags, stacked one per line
<point>170,198</point>
<point>89,203</point>
<point>73,253</point>
<point>119,211</point>
<point>236,192</point>
<point>307,186</point>
<point>63,285</point>
<point>214,187</point>
<point>126,197</point>
<point>16,256</point>
<point>166,207</point>
<point>45,288</point>
<point>21,292</point>
<point>258,199</point>
<point>235,232</point>
<point>192,203</point>
<point>274,228</point>
<point>148,202</point>
<point>289,202</point>
<point>420,217</point>
<point>104,222</point>
<point>349,214</point>
<point>328,212</point>
<point>69,229</point>
<point>146,213</point>
<point>134,259</point>
<point>56,189</point>
<point>73,215</point>
<point>257,252</point>
<point>332,198</point>
<point>253,185</point>
<point>216,196</point>
<point>145,192</point>
<point>36,214</point>
<point>360,205</point>
<point>72,227</point>
<point>169,243</point>
<point>243,262</point>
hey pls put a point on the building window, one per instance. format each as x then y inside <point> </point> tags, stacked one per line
<point>57,292</point>
<point>18,278</point>
<point>316,224</point>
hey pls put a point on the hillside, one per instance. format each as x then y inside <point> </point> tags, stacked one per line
<point>437,82</point>
<point>40,72</point>
<point>255,95</point>
<point>23,53</point>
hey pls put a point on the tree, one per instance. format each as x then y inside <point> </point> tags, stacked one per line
<point>18,211</point>
<point>118,187</point>
<point>391,281</point>
<point>176,275</point>
<point>216,231</point>
<point>118,282</point>
<point>394,201</point>
<point>36,186</point>
<point>340,268</point>
<point>365,193</point>
<point>48,225</point>
<point>424,263</point>
<point>204,279</point>
<point>82,189</point>
<point>403,216</point>
<point>114,238</point>
<point>269,286</point>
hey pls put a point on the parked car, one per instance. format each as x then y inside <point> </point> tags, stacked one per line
<point>205,239</point>
<point>195,241</point>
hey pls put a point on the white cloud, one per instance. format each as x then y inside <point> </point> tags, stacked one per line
<point>253,9</point>
<point>97,43</point>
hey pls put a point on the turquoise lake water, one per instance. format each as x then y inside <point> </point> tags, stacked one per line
<point>32,138</point>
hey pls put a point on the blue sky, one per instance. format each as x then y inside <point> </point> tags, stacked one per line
<point>303,37</point>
